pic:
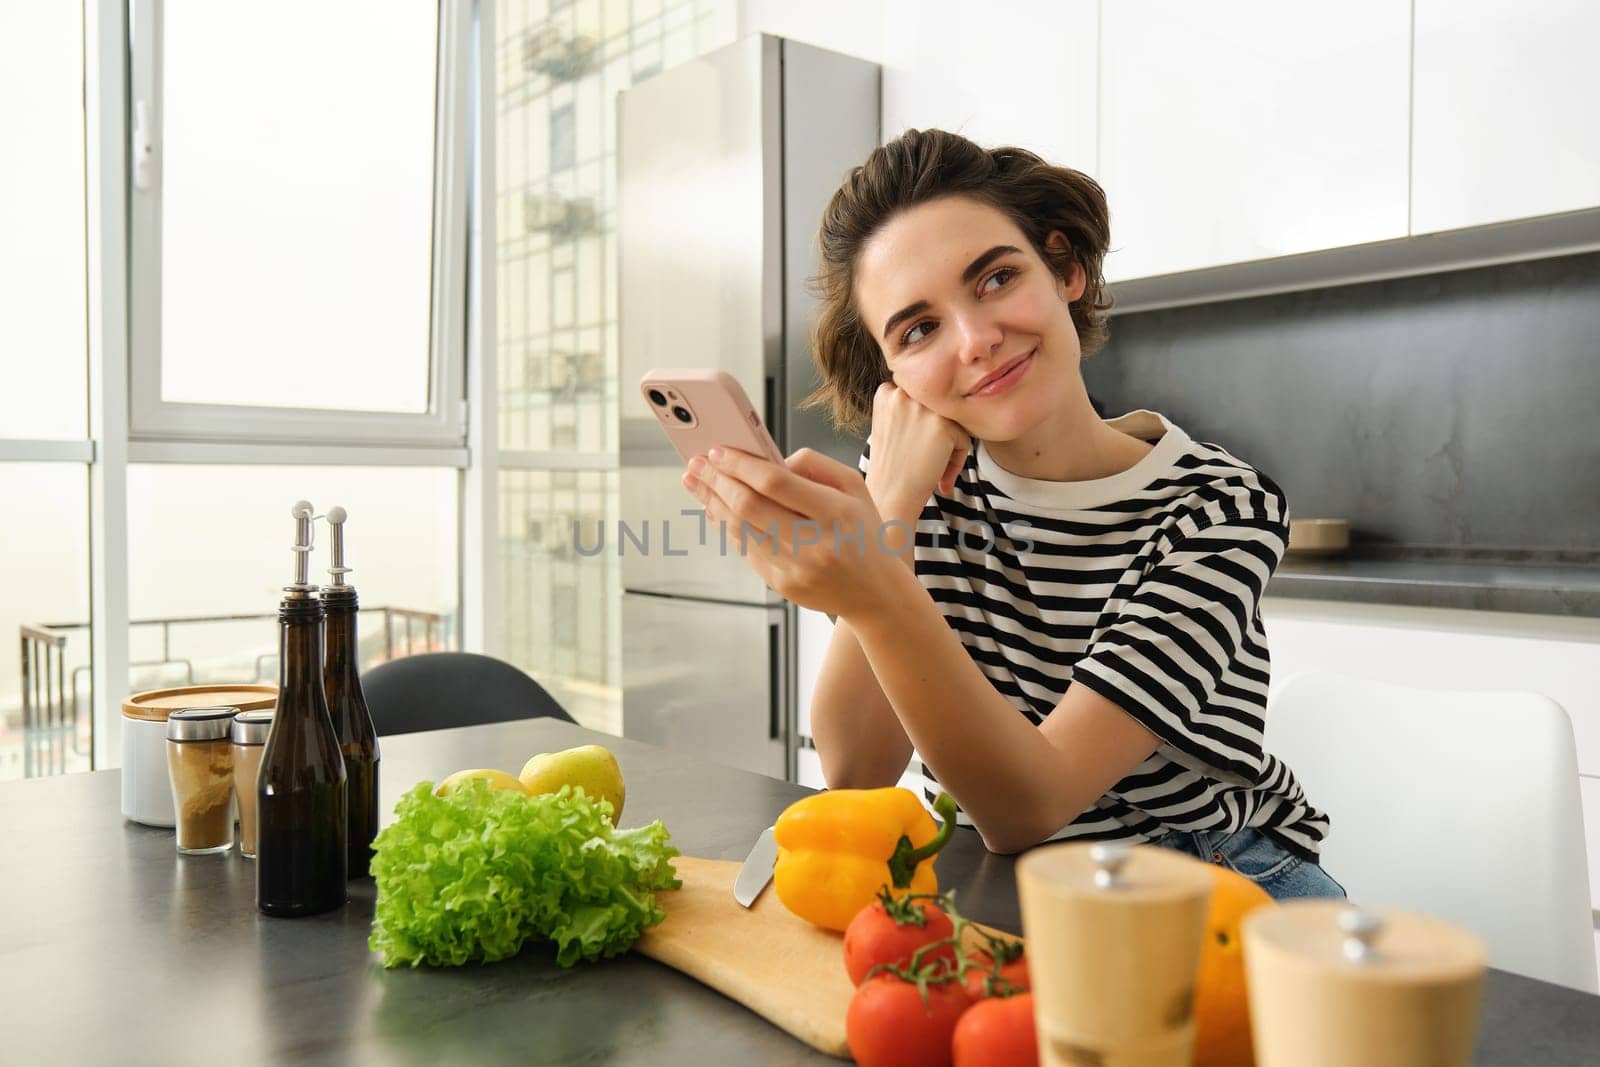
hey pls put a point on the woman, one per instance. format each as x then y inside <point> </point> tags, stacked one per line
<point>1073,647</point>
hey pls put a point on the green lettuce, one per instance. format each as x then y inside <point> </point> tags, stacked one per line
<point>473,875</point>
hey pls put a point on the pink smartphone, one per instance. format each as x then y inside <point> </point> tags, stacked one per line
<point>701,408</point>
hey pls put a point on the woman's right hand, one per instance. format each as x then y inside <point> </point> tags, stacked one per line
<point>914,452</point>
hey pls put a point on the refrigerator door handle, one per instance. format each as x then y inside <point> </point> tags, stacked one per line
<point>774,681</point>
<point>770,402</point>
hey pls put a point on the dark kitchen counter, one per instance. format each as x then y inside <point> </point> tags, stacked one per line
<point>115,949</point>
<point>1533,584</point>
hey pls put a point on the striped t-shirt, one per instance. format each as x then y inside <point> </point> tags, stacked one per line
<point>1144,586</point>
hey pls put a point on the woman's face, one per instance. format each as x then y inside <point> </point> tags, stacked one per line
<point>971,321</point>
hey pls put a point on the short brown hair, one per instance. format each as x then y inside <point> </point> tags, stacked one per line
<point>914,168</point>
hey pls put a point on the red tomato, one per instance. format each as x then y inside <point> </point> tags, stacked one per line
<point>874,937</point>
<point>1015,973</point>
<point>997,1032</point>
<point>888,1025</point>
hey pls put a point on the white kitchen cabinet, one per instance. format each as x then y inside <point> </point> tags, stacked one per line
<point>1020,73</point>
<point>854,27</point>
<point>1250,130</point>
<point>1504,123</point>
<point>1465,650</point>
<point>1437,649</point>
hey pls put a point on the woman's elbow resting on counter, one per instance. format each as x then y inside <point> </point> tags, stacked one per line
<point>1013,846</point>
<point>852,765</point>
<point>1011,839</point>
<point>839,776</point>
<point>1004,846</point>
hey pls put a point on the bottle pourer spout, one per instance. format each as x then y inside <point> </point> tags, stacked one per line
<point>303,514</point>
<point>337,517</point>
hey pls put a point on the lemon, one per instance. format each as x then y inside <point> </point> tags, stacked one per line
<point>496,780</point>
<point>592,767</point>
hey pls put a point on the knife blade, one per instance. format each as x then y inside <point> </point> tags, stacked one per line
<point>757,869</point>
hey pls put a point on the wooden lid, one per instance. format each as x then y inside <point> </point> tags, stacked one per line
<point>156,704</point>
<point>1369,943</point>
<point>1133,873</point>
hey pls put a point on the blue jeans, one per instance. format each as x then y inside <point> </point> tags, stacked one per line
<point>1259,858</point>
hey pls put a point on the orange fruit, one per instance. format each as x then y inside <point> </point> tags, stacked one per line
<point>1221,1006</point>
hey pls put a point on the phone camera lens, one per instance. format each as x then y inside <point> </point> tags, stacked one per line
<point>658,398</point>
<point>683,414</point>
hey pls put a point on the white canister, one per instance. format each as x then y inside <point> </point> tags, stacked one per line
<point>146,784</point>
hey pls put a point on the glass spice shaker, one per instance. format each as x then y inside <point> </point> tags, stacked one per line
<point>200,765</point>
<point>250,730</point>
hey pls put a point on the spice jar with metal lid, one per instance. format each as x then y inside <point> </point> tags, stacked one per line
<point>200,765</point>
<point>250,729</point>
<point>146,784</point>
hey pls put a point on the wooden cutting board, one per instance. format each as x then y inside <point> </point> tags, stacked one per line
<point>770,960</point>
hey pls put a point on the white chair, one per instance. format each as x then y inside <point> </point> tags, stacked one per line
<point>1464,806</point>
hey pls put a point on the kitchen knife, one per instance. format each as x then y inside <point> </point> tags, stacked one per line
<point>757,869</point>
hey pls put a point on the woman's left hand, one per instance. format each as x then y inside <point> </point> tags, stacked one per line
<point>807,526</point>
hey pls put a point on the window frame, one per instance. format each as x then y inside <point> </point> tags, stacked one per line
<point>444,424</point>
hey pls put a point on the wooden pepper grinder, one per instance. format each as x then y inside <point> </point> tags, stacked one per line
<point>1332,984</point>
<point>1114,935</point>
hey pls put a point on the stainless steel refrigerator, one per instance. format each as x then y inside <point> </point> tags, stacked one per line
<point>725,165</point>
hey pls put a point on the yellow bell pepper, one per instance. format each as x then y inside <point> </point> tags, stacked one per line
<point>836,849</point>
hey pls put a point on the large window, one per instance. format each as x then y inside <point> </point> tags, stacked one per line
<point>45,720</point>
<point>298,219</point>
<point>558,69</point>
<point>281,196</point>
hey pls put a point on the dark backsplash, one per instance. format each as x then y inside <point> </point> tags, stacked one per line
<point>1453,411</point>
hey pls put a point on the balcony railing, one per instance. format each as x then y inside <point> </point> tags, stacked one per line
<point>51,710</point>
<point>46,729</point>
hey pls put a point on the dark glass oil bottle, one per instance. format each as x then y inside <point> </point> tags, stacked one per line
<point>352,722</point>
<point>300,789</point>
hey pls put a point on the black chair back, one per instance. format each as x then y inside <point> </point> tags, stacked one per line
<point>444,689</point>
